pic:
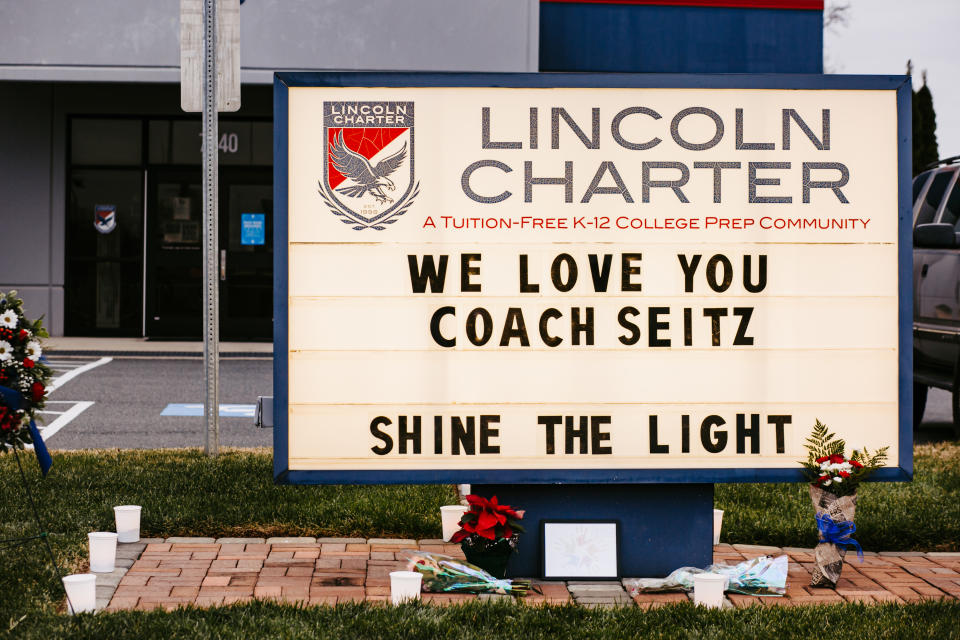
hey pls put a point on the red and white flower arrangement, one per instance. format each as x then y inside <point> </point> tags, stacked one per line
<point>835,469</point>
<point>834,479</point>
<point>829,469</point>
<point>21,370</point>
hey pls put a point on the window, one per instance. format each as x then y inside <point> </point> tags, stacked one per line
<point>931,202</point>
<point>918,183</point>
<point>240,142</point>
<point>951,212</point>
<point>106,142</point>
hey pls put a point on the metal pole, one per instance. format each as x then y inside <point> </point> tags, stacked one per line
<point>211,283</point>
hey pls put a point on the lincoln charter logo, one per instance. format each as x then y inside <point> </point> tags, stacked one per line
<point>105,217</point>
<point>368,170</point>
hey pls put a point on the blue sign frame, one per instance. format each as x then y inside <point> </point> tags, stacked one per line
<point>283,81</point>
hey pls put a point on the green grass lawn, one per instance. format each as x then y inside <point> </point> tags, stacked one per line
<point>185,493</point>
<point>495,621</point>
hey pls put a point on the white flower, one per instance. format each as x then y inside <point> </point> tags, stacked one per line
<point>6,351</point>
<point>8,319</point>
<point>33,350</point>
<point>838,479</point>
<point>826,483</point>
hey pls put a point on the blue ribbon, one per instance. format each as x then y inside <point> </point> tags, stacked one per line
<point>838,533</point>
<point>14,400</point>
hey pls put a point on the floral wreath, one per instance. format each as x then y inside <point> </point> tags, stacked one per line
<point>22,372</point>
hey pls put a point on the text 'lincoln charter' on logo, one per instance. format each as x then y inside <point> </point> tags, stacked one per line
<point>368,165</point>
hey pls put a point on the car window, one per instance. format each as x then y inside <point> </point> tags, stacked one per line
<point>918,183</point>
<point>951,212</point>
<point>931,201</point>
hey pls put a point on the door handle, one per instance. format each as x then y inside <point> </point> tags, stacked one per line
<point>923,270</point>
<point>223,264</point>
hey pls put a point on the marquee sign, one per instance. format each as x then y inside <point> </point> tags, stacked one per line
<point>588,278</point>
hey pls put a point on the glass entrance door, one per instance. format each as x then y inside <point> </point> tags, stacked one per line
<point>174,294</point>
<point>246,254</point>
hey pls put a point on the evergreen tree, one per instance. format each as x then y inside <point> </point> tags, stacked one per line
<point>924,126</point>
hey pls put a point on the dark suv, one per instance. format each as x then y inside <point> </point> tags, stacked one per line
<point>936,285</point>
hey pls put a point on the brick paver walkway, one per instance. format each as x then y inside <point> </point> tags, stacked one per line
<point>206,572</point>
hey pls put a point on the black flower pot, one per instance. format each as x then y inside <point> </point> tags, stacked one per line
<point>492,557</point>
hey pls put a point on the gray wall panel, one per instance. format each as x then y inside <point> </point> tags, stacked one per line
<point>43,301</point>
<point>105,39</point>
<point>90,32</point>
<point>28,236</point>
<point>25,187</point>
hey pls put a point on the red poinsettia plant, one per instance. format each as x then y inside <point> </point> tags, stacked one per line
<point>487,522</point>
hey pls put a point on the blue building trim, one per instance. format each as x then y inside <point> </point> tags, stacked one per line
<point>652,38</point>
<point>280,280</point>
<point>899,84</point>
<point>905,270</point>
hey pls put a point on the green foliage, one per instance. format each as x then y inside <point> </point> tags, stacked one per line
<point>489,620</point>
<point>925,151</point>
<point>822,443</point>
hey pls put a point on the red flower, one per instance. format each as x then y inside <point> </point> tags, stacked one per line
<point>844,474</point>
<point>487,519</point>
<point>822,459</point>
<point>28,363</point>
<point>856,464</point>
<point>8,419</point>
<point>24,334</point>
<point>836,458</point>
<point>37,391</point>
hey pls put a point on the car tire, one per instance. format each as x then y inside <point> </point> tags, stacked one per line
<point>920,404</point>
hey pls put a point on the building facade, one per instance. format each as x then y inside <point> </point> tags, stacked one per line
<point>100,183</point>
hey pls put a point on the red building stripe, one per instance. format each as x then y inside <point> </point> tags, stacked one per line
<point>809,5</point>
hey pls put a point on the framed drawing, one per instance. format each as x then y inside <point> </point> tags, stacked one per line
<point>580,549</point>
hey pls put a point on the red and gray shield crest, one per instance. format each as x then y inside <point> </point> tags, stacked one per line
<point>105,217</point>
<point>368,180</point>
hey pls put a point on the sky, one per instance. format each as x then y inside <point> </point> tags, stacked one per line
<point>881,35</point>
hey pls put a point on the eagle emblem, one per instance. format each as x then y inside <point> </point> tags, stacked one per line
<point>105,217</point>
<point>368,179</point>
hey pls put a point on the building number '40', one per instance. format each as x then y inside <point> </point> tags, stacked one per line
<point>229,142</point>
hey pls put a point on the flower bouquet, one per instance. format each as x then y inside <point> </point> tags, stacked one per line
<point>834,479</point>
<point>446,574</point>
<point>762,576</point>
<point>23,376</point>
<point>488,534</point>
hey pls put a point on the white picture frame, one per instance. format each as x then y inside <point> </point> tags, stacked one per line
<point>580,549</point>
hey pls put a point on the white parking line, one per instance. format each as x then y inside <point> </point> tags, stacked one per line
<point>59,381</point>
<point>65,419</point>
